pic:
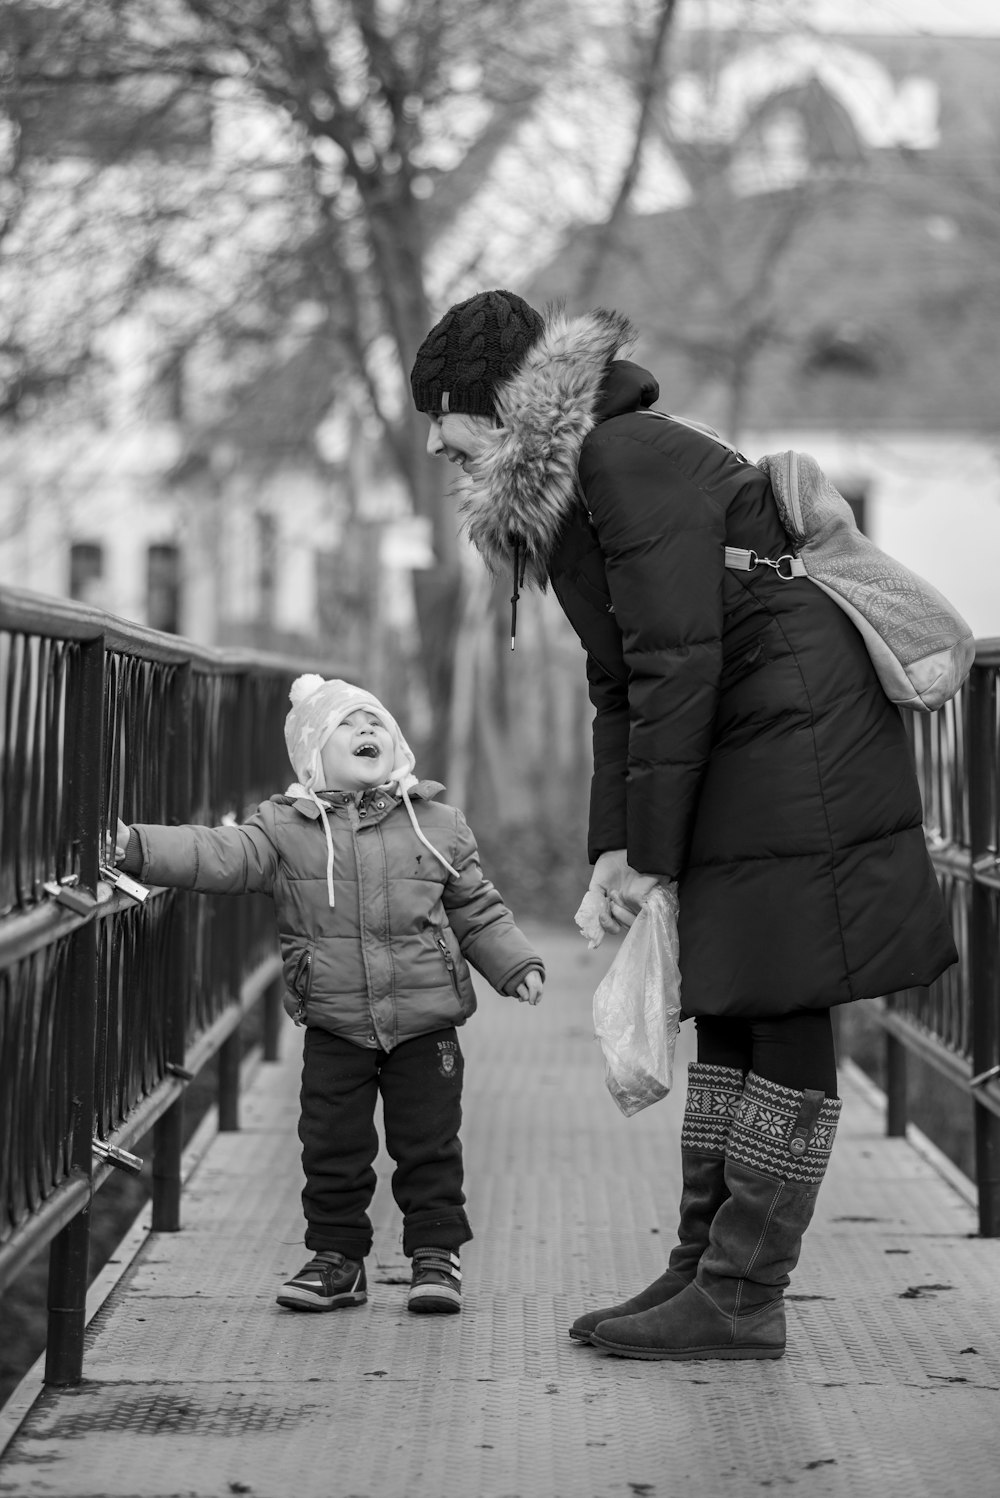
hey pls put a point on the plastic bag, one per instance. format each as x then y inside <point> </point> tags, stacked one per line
<point>637,1006</point>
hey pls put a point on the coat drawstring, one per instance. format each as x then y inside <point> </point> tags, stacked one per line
<point>416,827</point>
<point>520,567</point>
<point>324,814</point>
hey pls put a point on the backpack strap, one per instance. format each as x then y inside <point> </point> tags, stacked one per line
<point>699,426</point>
<point>786,566</point>
<point>738,558</point>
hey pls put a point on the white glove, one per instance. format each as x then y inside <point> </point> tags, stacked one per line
<point>588,917</point>
<point>623,888</point>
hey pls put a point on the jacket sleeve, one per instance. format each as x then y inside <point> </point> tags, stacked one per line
<point>607,827</point>
<point>662,537</point>
<point>487,934</point>
<point>217,860</point>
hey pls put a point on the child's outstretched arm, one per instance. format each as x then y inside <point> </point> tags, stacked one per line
<point>219,860</point>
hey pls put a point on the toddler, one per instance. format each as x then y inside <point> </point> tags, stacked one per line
<point>380,903</point>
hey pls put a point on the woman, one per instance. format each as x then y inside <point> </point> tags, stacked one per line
<point>742,746</point>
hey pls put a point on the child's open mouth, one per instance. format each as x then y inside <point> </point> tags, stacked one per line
<point>366,751</point>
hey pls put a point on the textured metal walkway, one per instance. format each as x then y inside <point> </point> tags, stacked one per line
<point>197,1384</point>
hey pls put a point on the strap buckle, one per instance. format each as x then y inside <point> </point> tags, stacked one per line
<point>786,566</point>
<point>786,558</point>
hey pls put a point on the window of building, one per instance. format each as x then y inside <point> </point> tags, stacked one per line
<point>267,566</point>
<point>849,349</point>
<point>163,588</point>
<point>857,497</point>
<point>86,570</point>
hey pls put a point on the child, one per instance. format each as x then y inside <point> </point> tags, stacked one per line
<point>380,900</point>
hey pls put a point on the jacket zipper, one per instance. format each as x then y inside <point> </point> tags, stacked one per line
<point>301,990</point>
<point>449,961</point>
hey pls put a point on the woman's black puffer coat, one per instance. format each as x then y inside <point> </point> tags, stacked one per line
<point>742,742</point>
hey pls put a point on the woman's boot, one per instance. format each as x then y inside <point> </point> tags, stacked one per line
<point>713,1096</point>
<point>777,1155</point>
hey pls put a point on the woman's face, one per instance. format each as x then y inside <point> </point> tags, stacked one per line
<point>458,437</point>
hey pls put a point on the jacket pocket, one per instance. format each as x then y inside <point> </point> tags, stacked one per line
<point>594,593</point>
<point>302,982</point>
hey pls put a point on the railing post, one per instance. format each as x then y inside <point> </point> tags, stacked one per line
<point>168,1132</point>
<point>69,1259</point>
<point>897,1112</point>
<point>231,1050</point>
<point>168,1149</point>
<point>274,1014</point>
<point>983,978</point>
<point>229,1083</point>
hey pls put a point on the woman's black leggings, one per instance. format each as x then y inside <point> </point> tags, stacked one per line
<point>795,1050</point>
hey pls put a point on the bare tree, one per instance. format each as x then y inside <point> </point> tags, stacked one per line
<point>370,100</point>
<point>649,49</point>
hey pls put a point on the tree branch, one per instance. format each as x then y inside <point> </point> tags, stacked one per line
<point>650,85</point>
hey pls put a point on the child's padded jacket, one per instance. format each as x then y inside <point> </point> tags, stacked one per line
<point>388,961</point>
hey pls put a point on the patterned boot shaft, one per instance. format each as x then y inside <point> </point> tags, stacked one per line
<point>784,1134</point>
<point>713,1100</point>
<point>778,1150</point>
<point>777,1156</point>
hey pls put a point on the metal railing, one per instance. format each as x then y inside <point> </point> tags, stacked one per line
<point>955,1023</point>
<point>109,1006</point>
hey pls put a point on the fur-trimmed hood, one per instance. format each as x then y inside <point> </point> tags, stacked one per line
<point>518,491</point>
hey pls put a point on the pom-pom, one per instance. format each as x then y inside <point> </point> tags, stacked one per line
<point>303,687</point>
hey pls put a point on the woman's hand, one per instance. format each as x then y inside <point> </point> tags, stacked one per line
<point>622,887</point>
<point>529,990</point>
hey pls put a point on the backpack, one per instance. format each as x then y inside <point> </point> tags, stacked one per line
<point>921,647</point>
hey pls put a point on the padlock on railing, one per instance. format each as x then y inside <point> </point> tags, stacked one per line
<point>67,892</point>
<point>124,883</point>
<point>114,1155</point>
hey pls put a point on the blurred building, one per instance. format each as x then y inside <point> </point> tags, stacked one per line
<point>829,277</point>
<point>236,511</point>
<point>812,260</point>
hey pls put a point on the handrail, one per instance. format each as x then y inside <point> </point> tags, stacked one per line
<point>954,1025</point>
<point>109,1006</point>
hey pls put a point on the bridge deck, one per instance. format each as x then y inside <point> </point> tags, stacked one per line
<point>196,1383</point>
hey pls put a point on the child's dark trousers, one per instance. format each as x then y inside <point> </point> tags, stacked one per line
<point>421,1086</point>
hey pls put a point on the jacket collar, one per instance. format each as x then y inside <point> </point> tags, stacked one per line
<point>425,790</point>
<point>523,485</point>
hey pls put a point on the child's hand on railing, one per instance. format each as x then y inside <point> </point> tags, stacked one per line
<point>115,848</point>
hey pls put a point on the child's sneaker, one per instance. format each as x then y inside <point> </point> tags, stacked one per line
<point>329,1282</point>
<point>436,1286</point>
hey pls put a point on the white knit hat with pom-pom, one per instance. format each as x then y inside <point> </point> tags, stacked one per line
<point>318,707</point>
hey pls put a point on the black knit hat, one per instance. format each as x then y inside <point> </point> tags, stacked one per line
<point>477,345</point>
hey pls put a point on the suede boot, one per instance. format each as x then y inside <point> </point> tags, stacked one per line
<point>713,1096</point>
<point>776,1157</point>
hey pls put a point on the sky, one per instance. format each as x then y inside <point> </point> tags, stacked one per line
<point>941,17</point>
